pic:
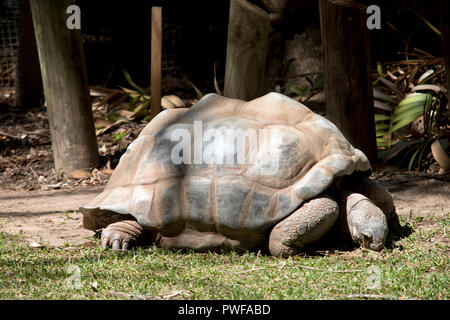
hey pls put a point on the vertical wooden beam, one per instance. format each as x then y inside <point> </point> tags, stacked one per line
<point>347,68</point>
<point>28,84</point>
<point>248,40</point>
<point>66,87</point>
<point>156,54</point>
<point>445,30</point>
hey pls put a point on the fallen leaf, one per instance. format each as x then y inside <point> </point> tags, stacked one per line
<point>34,244</point>
<point>101,123</point>
<point>440,155</point>
<point>107,171</point>
<point>81,174</point>
<point>115,124</point>
<point>94,285</point>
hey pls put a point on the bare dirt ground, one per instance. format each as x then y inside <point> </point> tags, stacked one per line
<point>51,218</point>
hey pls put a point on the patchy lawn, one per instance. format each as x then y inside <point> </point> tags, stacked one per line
<point>412,267</point>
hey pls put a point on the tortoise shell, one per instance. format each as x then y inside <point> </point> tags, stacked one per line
<point>209,189</point>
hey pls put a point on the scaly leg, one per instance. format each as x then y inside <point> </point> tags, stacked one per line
<point>305,226</point>
<point>362,220</point>
<point>123,235</point>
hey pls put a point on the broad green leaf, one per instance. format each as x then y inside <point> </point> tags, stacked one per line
<point>406,120</point>
<point>414,101</point>
<point>417,112</point>
<point>381,117</point>
<point>382,142</point>
<point>405,106</point>
<point>413,98</point>
<point>382,126</point>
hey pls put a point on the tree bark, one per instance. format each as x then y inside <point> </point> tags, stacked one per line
<point>347,72</point>
<point>66,87</point>
<point>248,40</point>
<point>28,76</point>
<point>445,31</point>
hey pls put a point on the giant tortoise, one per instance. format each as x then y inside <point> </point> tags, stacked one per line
<point>231,174</point>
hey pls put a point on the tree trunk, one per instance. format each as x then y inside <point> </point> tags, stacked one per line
<point>28,76</point>
<point>66,87</point>
<point>445,30</point>
<point>347,72</point>
<point>248,40</point>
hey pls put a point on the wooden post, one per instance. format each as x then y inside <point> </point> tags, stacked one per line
<point>156,53</point>
<point>248,40</point>
<point>66,89</point>
<point>445,30</point>
<point>28,76</point>
<point>347,69</point>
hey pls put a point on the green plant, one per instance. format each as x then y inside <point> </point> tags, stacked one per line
<point>140,100</point>
<point>404,109</point>
<point>117,136</point>
<point>307,92</point>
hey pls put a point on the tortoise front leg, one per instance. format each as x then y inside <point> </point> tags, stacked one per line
<point>123,235</point>
<point>362,220</point>
<point>376,193</point>
<point>305,226</point>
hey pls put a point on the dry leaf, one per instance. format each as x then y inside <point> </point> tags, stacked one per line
<point>107,171</point>
<point>81,174</point>
<point>440,155</point>
<point>94,285</point>
<point>101,123</point>
<point>34,244</point>
<point>125,113</point>
<point>171,101</point>
<point>115,124</point>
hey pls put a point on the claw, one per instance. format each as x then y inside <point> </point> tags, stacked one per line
<point>116,242</point>
<point>105,236</point>
<point>121,235</point>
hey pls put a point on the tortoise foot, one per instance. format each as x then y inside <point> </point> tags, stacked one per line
<point>303,227</point>
<point>123,235</point>
<point>366,222</point>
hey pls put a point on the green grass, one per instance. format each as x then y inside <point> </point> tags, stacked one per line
<point>415,267</point>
